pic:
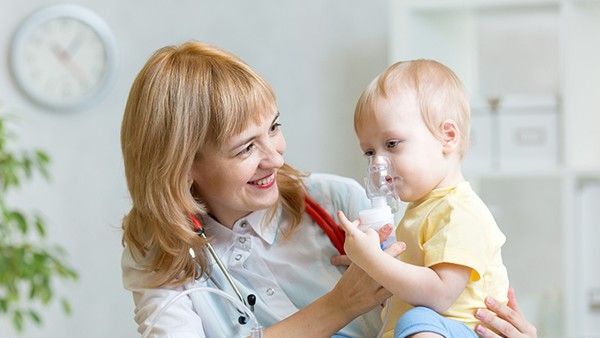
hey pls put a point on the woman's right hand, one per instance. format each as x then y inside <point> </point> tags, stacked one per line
<point>509,321</point>
<point>357,292</point>
<point>354,295</point>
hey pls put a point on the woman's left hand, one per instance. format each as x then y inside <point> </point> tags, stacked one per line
<point>510,321</point>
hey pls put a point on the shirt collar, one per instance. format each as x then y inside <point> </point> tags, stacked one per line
<point>257,220</point>
<point>260,223</point>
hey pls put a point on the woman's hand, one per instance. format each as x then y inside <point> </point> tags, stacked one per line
<point>357,292</point>
<point>509,321</point>
<point>354,295</point>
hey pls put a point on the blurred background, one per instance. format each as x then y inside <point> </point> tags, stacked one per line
<point>532,68</point>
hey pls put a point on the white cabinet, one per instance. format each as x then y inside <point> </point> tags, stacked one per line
<point>535,152</point>
<point>585,270</point>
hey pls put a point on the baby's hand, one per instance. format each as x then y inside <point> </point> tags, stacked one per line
<point>384,232</point>
<point>359,246</point>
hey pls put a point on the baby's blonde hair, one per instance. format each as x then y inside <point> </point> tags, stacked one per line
<point>439,92</point>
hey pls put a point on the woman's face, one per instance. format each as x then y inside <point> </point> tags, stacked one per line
<point>240,176</point>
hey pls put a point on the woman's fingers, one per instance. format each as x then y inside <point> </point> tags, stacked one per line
<point>340,260</point>
<point>512,301</point>
<point>509,321</point>
<point>358,290</point>
<point>492,321</point>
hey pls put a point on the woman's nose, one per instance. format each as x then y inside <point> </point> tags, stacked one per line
<point>273,155</point>
<point>272,158</point>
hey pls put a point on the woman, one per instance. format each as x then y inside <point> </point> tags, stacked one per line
<point>203,149</point>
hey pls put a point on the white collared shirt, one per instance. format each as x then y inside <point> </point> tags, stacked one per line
<point>284,273</point>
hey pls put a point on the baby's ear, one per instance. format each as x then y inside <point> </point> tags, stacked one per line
<point>450,136</point>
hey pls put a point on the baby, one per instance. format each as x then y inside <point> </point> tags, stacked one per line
<point>417,114</point>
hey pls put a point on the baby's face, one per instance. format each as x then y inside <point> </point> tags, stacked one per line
<point>397,129</point>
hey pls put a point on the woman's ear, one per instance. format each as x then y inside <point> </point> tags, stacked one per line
<point>190,178</point>
<point>450,136</point>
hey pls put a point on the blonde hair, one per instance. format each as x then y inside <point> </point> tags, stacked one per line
<point>185,98</point>
<point>439,92</point>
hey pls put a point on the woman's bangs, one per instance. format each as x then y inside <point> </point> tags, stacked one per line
<point>250,105</point>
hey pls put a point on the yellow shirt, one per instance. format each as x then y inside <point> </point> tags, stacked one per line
<point>453,225</point>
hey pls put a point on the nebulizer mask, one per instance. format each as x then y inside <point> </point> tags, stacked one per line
<point>380,184</point>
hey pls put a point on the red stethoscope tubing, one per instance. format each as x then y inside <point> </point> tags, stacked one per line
<point>316,212</point>
<point>332,229</point>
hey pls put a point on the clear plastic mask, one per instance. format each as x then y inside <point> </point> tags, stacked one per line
<point>381,181</point>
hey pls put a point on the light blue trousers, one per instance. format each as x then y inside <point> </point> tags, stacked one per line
<point>422,319</point>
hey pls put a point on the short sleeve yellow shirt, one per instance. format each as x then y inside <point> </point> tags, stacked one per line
<point>453,225</point>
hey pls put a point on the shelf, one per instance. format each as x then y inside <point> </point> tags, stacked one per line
<point>516,173</point>
<point>442,5</point>
<point>501,48</point>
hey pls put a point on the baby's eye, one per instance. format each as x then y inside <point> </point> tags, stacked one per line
<point>392,144</point>
<point>369,153</point>
<point>274,128</point>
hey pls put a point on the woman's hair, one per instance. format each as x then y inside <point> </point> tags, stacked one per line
<point>439,92</point>
<point>185,98</point>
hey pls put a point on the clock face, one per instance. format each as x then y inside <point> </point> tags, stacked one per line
<point>63,57</point>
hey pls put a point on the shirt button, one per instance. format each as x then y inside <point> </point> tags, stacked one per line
<point>244,224</point>
<point>242,240</point>
<point>270,291</point>
<point>238,257</point>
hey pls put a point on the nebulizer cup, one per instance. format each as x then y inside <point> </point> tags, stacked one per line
<point>380,185</point>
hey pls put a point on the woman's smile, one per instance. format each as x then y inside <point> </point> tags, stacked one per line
<point>265,182</point>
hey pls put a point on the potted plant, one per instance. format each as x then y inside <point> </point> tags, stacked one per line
<point>29,263</point>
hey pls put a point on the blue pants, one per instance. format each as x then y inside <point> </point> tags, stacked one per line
<point>422,319</point>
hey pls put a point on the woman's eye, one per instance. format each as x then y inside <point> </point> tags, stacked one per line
<point>246,150</point>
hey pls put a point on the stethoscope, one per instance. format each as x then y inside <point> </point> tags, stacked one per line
<point>250,300</point>
<point>312,208</point>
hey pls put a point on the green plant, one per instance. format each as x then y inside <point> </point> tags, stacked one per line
<point>29,264</point>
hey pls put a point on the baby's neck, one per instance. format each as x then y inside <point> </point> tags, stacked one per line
<point>453,178</point>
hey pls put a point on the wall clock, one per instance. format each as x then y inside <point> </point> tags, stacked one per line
<point>63,57</point>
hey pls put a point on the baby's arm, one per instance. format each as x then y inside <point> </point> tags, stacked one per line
<point>437,287</point>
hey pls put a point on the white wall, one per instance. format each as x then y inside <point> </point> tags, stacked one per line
<point>318,55</point>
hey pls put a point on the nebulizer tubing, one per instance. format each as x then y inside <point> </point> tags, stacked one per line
<point>255,332</point>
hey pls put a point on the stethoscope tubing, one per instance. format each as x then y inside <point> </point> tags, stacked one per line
<point>256,331</point>
<point>214,255</point>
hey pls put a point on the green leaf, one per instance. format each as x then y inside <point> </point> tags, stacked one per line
<point>35,317</point>
<point>18,320</point>
<point>29,265</point>
<point>20,220</point>
<point>39,226</point>
<point>66,306</point>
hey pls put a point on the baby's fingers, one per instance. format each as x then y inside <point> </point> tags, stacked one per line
<point>349,227</point>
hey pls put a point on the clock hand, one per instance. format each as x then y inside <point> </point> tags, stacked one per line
<point>65,58</point>
<point>74,45</point>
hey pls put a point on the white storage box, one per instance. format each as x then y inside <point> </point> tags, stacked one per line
<point>528,134</point>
